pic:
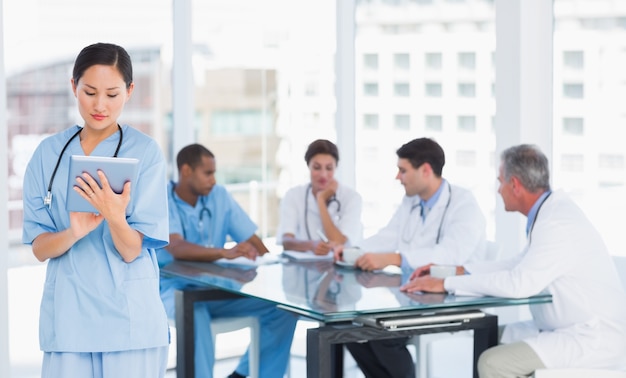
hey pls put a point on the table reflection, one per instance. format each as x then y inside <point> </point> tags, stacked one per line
<point>321,286</point>
<point>325,291</point>
<point>225,277</point>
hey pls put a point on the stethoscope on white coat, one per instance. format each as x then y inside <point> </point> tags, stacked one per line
<point>47,201</point>
<point>445,210</point>
<point>532,226</point>
<point>201,219</point>
<point>332,199</point>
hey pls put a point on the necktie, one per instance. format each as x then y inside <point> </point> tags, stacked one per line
<point>424,211</point>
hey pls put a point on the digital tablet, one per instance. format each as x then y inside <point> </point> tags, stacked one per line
<point>117,170</point>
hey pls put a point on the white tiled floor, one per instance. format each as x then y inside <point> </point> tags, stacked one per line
<point>25,287</point>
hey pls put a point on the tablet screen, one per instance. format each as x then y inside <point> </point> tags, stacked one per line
<point>117,170</point>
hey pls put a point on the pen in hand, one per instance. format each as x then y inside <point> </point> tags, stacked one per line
<point>322,236</point>
<point>323,249</point>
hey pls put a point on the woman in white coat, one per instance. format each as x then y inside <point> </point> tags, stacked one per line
<point>322,213</point>
<point>585,324</point>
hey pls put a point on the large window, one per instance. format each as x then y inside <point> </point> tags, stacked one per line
<point>370,121</point>
<point>370,61</point>
<point>402,122</point>
<point>402,61</point>
<point>239,122</point>
<point>413,65</point>
<point>433,90</point>
<point>370,89</point>
<point>467,61</point>
<point>402,89</point>
<point>573,126</point>
<point>433,61</point>
<point>466,90</point>
<point>573,60</point>
<point>589,56</point>
<point>466,123</point>
<point>442,59</point>
<point>264,90</point>
<point>433,123</point>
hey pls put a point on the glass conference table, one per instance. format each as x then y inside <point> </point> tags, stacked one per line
<point>351,305</point>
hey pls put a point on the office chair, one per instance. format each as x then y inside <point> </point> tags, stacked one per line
<point>224,325</point>
<point>218,325</point>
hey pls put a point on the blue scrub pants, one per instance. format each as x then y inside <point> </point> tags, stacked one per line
<point>138,363</point>
<point>277,328</point>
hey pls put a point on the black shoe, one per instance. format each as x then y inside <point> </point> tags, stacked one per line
<point>235,375</point>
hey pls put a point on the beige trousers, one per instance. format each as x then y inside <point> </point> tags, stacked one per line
<point>513,360</point>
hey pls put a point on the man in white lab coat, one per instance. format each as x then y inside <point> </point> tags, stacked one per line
<point>585,324</point>
<point>435,222</point>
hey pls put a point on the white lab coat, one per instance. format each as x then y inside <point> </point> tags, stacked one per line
<point>585,325</point>
<point>457,218</point>
<point>345,211</point>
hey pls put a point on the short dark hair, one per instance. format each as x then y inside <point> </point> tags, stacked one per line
<point>192,155</point>
<point>321,146</point>
<point>106,54</point>
<point>423,150</point>
<point>528,164</point>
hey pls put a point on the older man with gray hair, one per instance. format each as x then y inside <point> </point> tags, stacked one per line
<point>585,324</point>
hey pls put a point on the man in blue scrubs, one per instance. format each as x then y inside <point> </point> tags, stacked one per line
<point>202,215</point>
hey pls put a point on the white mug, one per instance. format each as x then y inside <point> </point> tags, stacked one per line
<point>442,271</point>
<point>350,254</point>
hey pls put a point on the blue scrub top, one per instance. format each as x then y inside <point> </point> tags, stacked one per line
<point>93,301</point>
<point>215,217</point>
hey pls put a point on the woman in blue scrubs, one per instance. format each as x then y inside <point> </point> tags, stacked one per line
<point>101,314</point>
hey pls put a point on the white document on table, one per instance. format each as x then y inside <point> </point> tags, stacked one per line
<point>268,258</point>
<point>308,256</point>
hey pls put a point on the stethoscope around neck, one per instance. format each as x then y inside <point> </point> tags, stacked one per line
<point>443,216</point>
<point>332,199</point>
<point>47,201</point>
<point>204,210</point>
<point>532,226</point>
